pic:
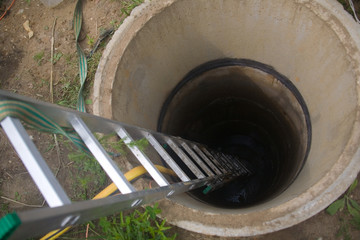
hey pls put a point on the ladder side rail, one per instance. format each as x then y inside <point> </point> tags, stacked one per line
<point>40,172</point>
<point>41,221</point>
<point>221,182</point>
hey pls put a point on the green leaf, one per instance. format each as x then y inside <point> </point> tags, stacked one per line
<point>128,220</point>
<point>88,101</point>
<point>137,225</point>
<point>104,223</point>
<point>352,187</point>
<point>353,211</point>
<point>151,212</point>
<point>335,206</point>
<point>356,222</point>
<point>91,224</point>
<point>355,204</point>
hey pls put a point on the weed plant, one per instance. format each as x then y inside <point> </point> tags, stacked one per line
<point>56,57</point>
<point>352,212</point>
<point>39,57</point>
<point>137,225</point>
<point>129,6</point>
<point>90,177</point>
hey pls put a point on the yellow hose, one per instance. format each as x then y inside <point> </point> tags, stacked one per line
<point>130,175</point>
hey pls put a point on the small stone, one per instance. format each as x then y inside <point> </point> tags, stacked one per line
<point>26,25</point>
<point>31,34</point>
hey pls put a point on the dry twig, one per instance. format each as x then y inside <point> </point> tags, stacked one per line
<point>87,231</point>
<point>20,203</point>
<point>52,63</point>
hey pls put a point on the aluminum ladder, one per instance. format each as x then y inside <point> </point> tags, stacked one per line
<point>205,168</point>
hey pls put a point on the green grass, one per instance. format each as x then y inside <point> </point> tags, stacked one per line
<point>137,225</point>
<point>88,175</point>
<point>344,230</point>
<point>129,6</point>
<point>93,63</point>
<point>67,91</point>
<point>17,196</point>
<point>111,145</point>
<point>68,88</point>
<point>4,206</point>
<point>39,57</point>
<point>56,57</point>
<point>41,83</point>
<point>125,11</point>
<point>351,211</point>
<point>90,41</point>
<point>346,5</point>
<point>5,209</point>
<point>142,144</point>
<point>115,24</point>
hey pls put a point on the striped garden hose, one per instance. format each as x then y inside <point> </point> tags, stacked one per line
<point>82,58</point>
<point>34,119</point>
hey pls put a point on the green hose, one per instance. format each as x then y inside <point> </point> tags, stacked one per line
<point>34,119</point>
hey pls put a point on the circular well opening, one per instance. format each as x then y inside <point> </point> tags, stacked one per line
<point>248,109</point>
<point>313,43</point>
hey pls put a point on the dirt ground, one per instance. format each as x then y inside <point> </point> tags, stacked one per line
<point>25,68</point>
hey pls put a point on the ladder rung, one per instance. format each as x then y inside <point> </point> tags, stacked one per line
<point>242,164</point>
<point>222,161</point>
<point>215,161</point>
<point>143,159</point>
<point>167,158</point>
<point>185,158</point>
<point>239,167</point>
<point>206,159</point>
<point>236,165</point>
<point>229,162</point>
<point>40,172</point>
<point>196,158</point>
<point>101,156</point>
